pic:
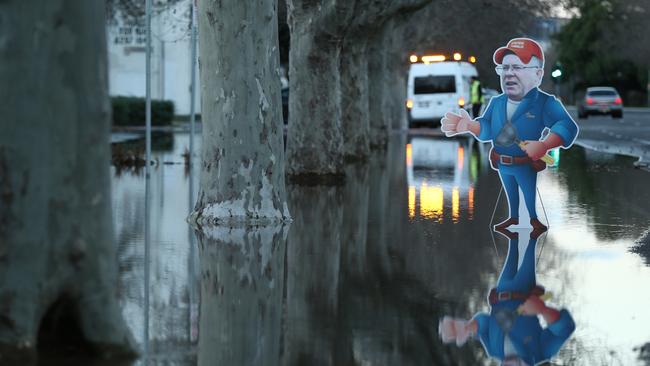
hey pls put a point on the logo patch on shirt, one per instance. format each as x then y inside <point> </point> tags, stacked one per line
<point>530,115</point>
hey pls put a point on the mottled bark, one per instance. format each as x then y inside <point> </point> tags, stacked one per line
<point>370,18</point>
<point>314,138</point>
<point>377,81</point>
<point>57,258</point>
<point>242,169</point>
<point>242,284</point>
<point>397,69</point>
<point>355,119</point>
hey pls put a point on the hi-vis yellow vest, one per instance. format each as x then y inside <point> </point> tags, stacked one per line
<point>474,99</point>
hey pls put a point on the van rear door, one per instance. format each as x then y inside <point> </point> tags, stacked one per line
<point>434,95</point>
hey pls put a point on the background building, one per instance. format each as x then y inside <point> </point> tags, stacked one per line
<point>171,25</point>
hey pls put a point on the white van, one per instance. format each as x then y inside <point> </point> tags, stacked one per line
<point>436,88</point>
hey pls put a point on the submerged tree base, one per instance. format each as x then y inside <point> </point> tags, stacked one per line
<point>231,215</point>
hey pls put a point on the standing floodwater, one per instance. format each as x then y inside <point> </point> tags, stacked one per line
<point>367,268</point>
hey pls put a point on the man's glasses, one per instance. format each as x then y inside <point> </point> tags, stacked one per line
<point>501,69</point>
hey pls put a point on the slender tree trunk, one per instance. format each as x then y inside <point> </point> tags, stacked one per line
<point>396,94</point>
<point>314,138</point>
<point>377,81</point>
<point>242,170</point>
<point>354,99</point>
<point>57,258</point>
<point>242,283</point>
<point>363,127</point>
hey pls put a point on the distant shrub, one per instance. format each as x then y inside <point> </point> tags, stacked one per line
<point>130,111</point>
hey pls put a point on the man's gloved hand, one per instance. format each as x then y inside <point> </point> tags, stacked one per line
<point>454,124</point>
<point>534,305</point>
<point>534,149</point>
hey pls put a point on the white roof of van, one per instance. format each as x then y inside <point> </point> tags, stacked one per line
<point>441,67</point>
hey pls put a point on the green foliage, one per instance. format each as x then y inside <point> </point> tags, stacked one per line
<point>130,111</point>
<point>591,51</point>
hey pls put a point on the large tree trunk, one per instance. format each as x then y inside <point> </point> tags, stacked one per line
<point>57,259</point>
<point>242,170</point>
<point>371,17</point>
<point>377,81</point>
<point>354,99</point>
<point>397,68</point>
<point>242,284</point>
<point>314,138</point>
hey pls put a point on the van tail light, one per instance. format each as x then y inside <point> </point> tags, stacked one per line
<point>618,100</point>
<point>409,103</point>
<point>590,101</point>
<point>461,102</point>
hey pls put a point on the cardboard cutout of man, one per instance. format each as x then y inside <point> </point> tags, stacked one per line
<point>511,331</point>
<point>514,122</point>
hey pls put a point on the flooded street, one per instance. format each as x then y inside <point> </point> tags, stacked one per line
<point>368,268</point>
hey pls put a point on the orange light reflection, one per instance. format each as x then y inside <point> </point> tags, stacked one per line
<point>460,157</point>
<point>409,155</point>
<point>470,199</point>
<point>455,204</point>
<point>411,202</point>
<point>431,202</point>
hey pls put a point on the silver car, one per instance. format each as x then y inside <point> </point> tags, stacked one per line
<point>601,100</point>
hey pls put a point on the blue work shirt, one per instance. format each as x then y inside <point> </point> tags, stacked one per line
<point>536,112</point>
<point>533,343</point>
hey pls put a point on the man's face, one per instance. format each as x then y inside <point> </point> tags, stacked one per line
<point>515,84</point>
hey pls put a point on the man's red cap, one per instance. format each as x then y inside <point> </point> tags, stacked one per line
<point>524,48</point>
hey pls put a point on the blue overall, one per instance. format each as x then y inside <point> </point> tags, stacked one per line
<point>536,112</point>
<point>533,343</point>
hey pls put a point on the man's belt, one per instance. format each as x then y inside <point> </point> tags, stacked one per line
<point>496,297</point>
<point>495,157</point>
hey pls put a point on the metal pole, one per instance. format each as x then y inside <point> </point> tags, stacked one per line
<point>193,84</point>
<point>147,186</point>
<point>147,254</point>
<point>192,283</point>
<point>648,86</point>
<point>148,90</point>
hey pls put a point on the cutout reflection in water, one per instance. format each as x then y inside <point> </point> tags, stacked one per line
<point>511,331</point>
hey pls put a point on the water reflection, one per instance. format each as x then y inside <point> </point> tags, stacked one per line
<point>369,267</point>
<point>242,286</point>
<point>440,171</point>
<point>158,282</point>
<point>511,331</point>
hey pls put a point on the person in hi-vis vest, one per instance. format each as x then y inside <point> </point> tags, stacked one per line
<point>476,96</point>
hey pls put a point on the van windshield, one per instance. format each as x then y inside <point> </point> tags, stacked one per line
<point>434,84</point>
